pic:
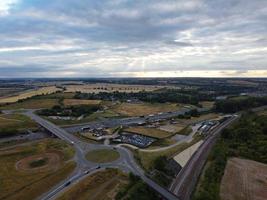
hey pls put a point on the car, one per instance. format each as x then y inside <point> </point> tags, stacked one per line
<point>67,184</point>
<point>114,148</point>
<point>72,142</point>
<point>98,167</point>
<point>86,172</point>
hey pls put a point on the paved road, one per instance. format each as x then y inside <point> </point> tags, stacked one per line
<point>129,121</point>
<point>186,180</point>
<point>126,161</point>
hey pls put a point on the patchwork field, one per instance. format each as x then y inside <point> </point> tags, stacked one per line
<point>133,110</point>
<point>151,132</point>
<point>244,180</point>
<point>102,185</point>
<point>102,155</point>
<point>28,171</point>
<point>31,104</point>
<point>27,94</point>
<point>102,87</point>
<point>75,102</point>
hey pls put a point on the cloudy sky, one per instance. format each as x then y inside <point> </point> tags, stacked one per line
<point>123,38</point>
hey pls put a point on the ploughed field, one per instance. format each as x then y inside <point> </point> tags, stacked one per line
<point>244,180</point>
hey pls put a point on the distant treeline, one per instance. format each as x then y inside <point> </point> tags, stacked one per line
<point>161,96</point>
<point>246,139</point>
<point>71,111</point>
<point>235,105</point>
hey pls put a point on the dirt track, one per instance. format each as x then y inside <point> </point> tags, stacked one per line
<point>52,163</point>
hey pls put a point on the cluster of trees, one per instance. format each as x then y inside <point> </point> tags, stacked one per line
<point>246,139</point>
<point>162,96</point>
<point>235,105</point>
<point>74,111</point>
<point>10,131</point>
<point>136,189</point>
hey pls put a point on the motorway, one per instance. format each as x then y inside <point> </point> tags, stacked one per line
<point>187,178</point>
<point>85,167</point>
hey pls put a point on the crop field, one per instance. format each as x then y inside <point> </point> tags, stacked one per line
<point>102,185</point>
<point>244,180</point>
<point>102,155</point>
<point>150,132</point>
<point>4,92</point>
<point>74,102</point>
<point>31,104</point>
<point>102,87</point>
<point>132,110</point>
<point>28,171</point>
<point>31,93</point>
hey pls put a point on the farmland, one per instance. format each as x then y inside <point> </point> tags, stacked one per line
<point>101,87</point>
<point>75,102</point>
<point>21,180</point>
<point>31,104</point>
<point>102,185</point>
<point>244,179</point>
<point>28,94</point>
<point>138,109</point>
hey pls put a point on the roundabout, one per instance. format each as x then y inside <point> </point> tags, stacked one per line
<point>102,155</point>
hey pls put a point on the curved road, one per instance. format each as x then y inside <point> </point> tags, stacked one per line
<point>84,167</point>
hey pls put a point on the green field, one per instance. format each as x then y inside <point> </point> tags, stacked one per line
<point>102,185</point>
<point>146,158</point>
<point>31,104</point>
<point>30,184</point>
<point>150,132</point>
<point>102,155</point>
<point>15,123</point>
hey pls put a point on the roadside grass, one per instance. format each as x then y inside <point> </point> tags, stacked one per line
<point>31,104</point>
<point>93,117</point>
<point>146,159</point>
<point>102,155</point>
<point>28,94</point>
<point>138,109</point>
<point>185,131</point>
<point>151,132</point>
<point>74,102</point>
<point>102,185</point>
<point>16,184</point>
<point>15,123</point>
<point>201,118</point>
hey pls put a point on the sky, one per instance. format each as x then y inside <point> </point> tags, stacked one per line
<point>133,38</point>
